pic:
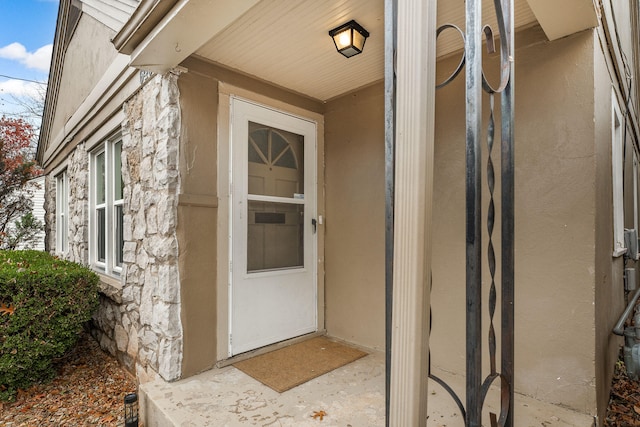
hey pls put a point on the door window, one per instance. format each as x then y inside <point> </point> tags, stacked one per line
<point>275,228</point>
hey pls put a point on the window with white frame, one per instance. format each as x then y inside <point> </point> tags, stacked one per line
<point>62,212</point>
<point>617,158</point>
<point>635,191</point>
<point>106,242</point>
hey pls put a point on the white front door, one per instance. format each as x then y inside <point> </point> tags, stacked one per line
<point>273,241</point>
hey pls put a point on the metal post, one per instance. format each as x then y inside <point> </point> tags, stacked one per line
<point>473,49</point>
<point>389,151</point>
<point>507,215</point>
<point>477,388</point>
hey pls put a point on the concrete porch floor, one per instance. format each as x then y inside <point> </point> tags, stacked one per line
<point>351,396</point>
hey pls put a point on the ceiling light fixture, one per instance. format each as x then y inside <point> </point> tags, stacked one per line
<point>349,38</point>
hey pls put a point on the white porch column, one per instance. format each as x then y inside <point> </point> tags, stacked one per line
<point>414,130</point>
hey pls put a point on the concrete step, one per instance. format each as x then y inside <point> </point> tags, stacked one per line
<point>352,395</point>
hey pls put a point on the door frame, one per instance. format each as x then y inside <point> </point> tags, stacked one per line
<point>225,93</point>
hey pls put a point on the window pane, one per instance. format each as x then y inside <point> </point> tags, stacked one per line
<point>275,236</point>
<point>63,236</point>
<point>117,171</point>
<point>276,162</point>
<point>101,234</point>
<point>286,159</point>
<point>119,238</point>
<point>61,209</point>
<point>100,179</point>
<point>259,135</point>
<point>617,157</point>
<point>278,144</point>
<point>253,154</point>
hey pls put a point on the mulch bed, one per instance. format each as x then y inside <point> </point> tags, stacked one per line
<point>624,400</point>
<point>91,385</point>
<point>88,391</point>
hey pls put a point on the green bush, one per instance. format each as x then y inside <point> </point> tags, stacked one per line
<point>44,302</point>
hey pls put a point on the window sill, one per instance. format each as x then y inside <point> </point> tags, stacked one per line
<point>111,287</point>
<point>619,252</point>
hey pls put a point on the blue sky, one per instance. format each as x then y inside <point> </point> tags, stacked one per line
<point>27,28</point>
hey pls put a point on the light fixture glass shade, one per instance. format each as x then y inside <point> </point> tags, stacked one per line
<point>349,38</point>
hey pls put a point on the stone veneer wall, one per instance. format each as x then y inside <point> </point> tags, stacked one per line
<point>78,204</point>
<point>49,213</point>
<point>138,319</point>
<point>78,218</point>
<point>78,176</point>
<point>151,292</point>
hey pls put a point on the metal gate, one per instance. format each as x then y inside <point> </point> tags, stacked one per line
<point>477,35</point>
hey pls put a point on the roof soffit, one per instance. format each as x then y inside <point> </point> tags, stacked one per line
<point>186,27</point>
<point>242,34</point>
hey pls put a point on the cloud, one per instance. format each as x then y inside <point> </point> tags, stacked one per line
<point>40,59</point>
<point>19,88</point>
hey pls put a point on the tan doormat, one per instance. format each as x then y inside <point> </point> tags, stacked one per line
<point>291,366</point>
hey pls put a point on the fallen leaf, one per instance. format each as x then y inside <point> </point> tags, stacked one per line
<point>65,401</point>
<point>7,309</point>
<point>108,419</point>
<point>319,414</point>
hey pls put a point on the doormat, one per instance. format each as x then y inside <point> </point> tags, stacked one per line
<point>291,366</point>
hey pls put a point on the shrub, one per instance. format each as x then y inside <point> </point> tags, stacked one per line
<point>44,302</point>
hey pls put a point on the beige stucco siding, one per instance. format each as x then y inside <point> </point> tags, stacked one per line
<point>203,222</point>
<point>609,283</point>
<point>555,211</point>
<point>88,55</point>
<point>355,217</point>
<point>197,218</point>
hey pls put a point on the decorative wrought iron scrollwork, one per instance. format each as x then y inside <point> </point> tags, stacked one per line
<point>460,66</point>
<point>477,391</point>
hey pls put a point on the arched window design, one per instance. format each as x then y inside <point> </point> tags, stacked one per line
<point>270,147</point>
<point>276,162</point>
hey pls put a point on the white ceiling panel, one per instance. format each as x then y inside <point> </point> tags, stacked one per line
<point>286,42</point>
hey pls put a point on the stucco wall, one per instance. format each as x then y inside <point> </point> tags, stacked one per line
<point>554,224</point>
<point>609,284</point>
<point>87,57</point>
<point>197,219</point>
<point>203,204</point>
<point>354,238</point>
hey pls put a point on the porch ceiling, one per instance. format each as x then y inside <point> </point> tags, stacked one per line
<point>287,43</point>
